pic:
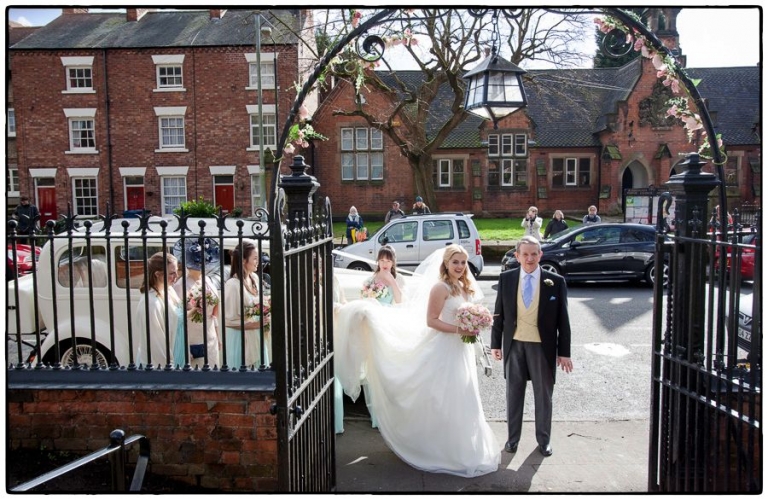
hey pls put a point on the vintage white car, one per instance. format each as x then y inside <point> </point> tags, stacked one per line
<point>85,309</point>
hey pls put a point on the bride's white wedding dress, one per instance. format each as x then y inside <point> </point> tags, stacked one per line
<point>423,385</point>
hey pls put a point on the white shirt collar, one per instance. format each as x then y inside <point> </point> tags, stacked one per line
<point>536,274</point>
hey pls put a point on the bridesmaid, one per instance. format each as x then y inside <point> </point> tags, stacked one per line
<point>384,274</point>
<point>245,262</point>
<point>151,314</point>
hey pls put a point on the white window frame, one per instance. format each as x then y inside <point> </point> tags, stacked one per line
<point>77,63</point>
<point>167,61</point>
<point>444,168</point>
<point>255,172</point>
<point>166,173</point>
<point>77,175</point>
<point>493,145</point>
<point>507,172</point>
<point>268,76</point>
<point>362,156</point>
<point>268,112</point>
<point>168,113</point>
<point>571,172</point>
<point>511,145</point>
<point>13,186</point>
<point>75,115</point>
<point>520,146</point>
<point>11,122</point>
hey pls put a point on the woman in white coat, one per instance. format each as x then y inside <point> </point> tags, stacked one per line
<point>158,313</point>
<point>244,280</point>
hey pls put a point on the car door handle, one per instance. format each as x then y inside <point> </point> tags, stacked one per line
<point>408,246</point>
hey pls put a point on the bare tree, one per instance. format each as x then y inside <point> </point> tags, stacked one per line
<point>450,42</point>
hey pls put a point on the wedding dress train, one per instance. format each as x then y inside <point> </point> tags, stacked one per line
<point>423,383</point>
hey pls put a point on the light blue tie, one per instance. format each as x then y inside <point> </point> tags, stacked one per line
<point>528,290</point>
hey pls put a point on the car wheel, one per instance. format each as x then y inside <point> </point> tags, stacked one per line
<point>83,353</point>
<point>359,266</point>
<point>552,268</point>
<point>474,271</point>
<point>650,274</point>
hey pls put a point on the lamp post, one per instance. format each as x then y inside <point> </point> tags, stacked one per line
<point>495,86</point>
<point>266,31</point>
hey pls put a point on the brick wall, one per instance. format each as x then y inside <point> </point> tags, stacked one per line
<point>216,439</point>
<point>217,125</point>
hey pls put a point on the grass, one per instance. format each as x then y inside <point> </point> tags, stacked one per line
<point>489,229</point>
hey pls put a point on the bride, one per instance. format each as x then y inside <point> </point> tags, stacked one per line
<point>423,377</point>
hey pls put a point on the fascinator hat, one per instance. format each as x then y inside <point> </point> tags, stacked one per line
<point>196,255</point>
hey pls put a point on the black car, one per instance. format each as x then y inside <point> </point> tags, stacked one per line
<point>595,252</point>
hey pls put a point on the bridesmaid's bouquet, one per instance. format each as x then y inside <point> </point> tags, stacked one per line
<point>374,290</point>
<point>473,318</point>
<point>262,312</point>
<point>195,302</point>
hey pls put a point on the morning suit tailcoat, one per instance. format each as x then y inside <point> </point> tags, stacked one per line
<point>553,321</point>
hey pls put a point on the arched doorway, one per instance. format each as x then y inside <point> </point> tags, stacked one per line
<point>635,175</point>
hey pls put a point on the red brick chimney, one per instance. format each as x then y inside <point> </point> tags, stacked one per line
<point>74,11</point>
<point>217,13</point>
<point>135,14</point>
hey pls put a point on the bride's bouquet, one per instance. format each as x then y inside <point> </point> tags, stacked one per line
<point>262,312</point>
<point>374,290</point>
<point>195,302</point>
<point>473,318</point>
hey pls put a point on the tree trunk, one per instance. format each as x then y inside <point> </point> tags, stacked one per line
<point>422,180</point>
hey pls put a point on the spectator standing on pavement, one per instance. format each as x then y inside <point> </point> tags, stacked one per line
<point>419,207</point>
<point>532,223</point>
<point>555,225</point>
<point>591,217</point>
<point>394,212</point>
<point>27,215</point>
<point>354,224</point>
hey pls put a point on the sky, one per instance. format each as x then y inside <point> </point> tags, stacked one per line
<point>710,37</point>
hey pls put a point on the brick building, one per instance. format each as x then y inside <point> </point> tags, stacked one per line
<point>585,137</point>
<point>151,108</point>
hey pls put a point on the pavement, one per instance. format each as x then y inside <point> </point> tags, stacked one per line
<point>589,457</point>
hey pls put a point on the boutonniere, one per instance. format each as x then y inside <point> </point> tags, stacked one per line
<point>549,282</point>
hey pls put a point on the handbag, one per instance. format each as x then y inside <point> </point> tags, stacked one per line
<point>197,350</point>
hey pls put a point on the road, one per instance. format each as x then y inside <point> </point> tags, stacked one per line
<point>611,327</point>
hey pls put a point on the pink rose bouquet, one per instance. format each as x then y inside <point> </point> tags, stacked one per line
<point>262,312</point>
<point>195,302</point>
<point>374,290</point>
<point>473,318</point>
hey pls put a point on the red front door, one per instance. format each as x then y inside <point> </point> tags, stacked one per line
<point>46,204</point>
<point>225,196</point>
<point>134,197</point>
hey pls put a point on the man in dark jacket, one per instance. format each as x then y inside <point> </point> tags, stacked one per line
<point>394,212</point>
<point>27,215</point>
<point>531,333</point>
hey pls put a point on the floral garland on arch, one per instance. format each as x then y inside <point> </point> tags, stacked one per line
<point>666,69</point>
<point>300,133</point>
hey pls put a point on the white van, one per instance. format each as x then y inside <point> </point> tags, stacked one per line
<point>414,238</point>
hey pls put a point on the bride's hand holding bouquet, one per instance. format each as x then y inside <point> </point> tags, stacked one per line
<point>472,319</point>
<point>195,304</point>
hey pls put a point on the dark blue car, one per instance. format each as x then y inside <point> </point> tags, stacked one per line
<point>599,252</point>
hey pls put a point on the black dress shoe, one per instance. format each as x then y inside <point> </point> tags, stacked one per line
<point>510,447</point>
<point>545,449</point>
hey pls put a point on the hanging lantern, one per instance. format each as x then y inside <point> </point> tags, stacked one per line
<point>494,89</point>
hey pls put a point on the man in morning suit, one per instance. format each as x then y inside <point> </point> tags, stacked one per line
<point>532,331</point>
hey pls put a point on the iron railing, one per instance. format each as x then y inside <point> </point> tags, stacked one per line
<point>78,306</point>
<point>706,407</point>
<point>116,452</point>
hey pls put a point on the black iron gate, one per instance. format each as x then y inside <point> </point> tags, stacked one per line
<point>302,313</point>
<point>706,394</point>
